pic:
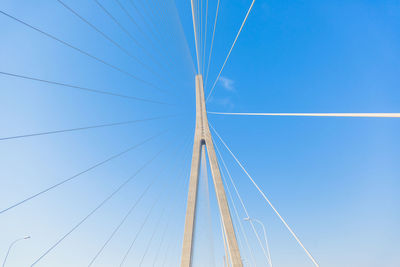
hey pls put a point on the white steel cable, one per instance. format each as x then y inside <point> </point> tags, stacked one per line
<point>201,33</point>
<point>237,213</point>
<point>212,43</point>
<point>265,237</point>
<point>354,115</point>
<point>230,50</point>
<point>245,209</point>
<point>226,257</point>
<point>266,199</point>
<point>205,38</point>
<point>195,35</point>
<point>180,26</point>
<point>206,196</point>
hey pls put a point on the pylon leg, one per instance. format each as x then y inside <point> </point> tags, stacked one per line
<point>191,204</point>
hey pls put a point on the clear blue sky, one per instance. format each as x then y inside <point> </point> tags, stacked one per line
<point>335,180</point>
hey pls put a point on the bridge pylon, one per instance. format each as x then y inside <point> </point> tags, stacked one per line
<point>202,137</point>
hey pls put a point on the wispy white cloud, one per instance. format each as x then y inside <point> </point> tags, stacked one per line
<point>225,102</point>
<point>227,83</point>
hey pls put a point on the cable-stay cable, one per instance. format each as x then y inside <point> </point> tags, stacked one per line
<point>172,206</point>
<point>163,19</point>
<point>205,38</point>
<point>212,43</point>
<point>195,34</point>
<point>200,23</point>
<point>244,208</point>
<point>166,227</point>
<point>82,128</point>
<point>151,19</point>
<point>239,221</point>
<point>163,66</point>
<point>140,230</point>
<point>166,53</point>
<point>198,31</point>
<point>184,36</point>
<point>142,226</point>
<point>206,195</point>
<point>266,199</point>
<point>121,186</point>
<point>127,33</point>
<point>164,261</point>
<point>119,46</point>
<point>151,238</point>
<point>183,173</point>
<point>159,10</point>
<point>201,33</point>
<point>80,173</point>
<point>196,18</point>
<point>83,52</point>
<point>146,18</point>
<point>163,234</point>
<point>226,252</point>
<point>185,185</point>
<point>123,220</point>
<point>132,19</point>
<point>166,254</point>
<point>120,224</point>
<point>230,50</point>
<point>265,250</point>
<point>169,245</point>
<point>84,88</point>
<point>353,115</point>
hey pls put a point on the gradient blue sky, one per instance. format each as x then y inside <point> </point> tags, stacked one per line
<point>335,180</point>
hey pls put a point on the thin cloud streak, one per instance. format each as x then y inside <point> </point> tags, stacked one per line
<point>227,83</point>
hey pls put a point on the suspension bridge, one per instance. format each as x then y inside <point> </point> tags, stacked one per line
<point>156,224</point>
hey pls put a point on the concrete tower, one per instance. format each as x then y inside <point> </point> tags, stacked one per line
<point>202,137</point>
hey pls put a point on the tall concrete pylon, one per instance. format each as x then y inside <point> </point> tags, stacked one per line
<point>202,137</point>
